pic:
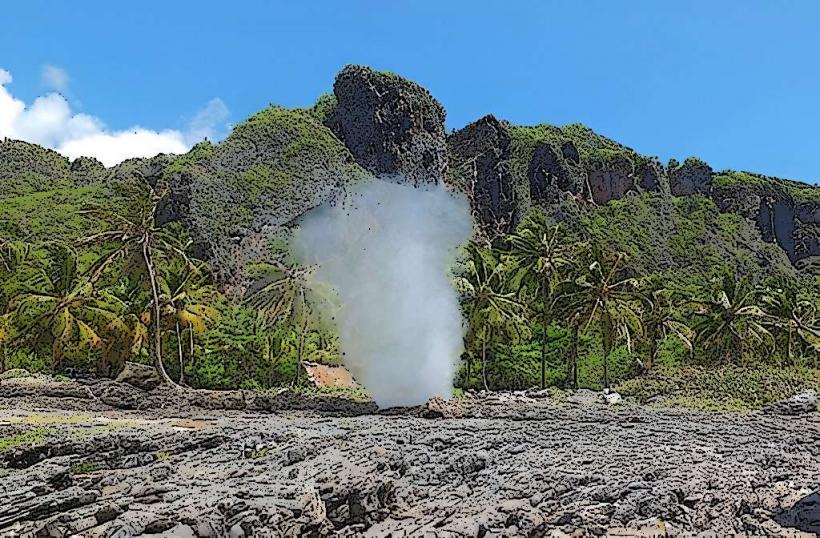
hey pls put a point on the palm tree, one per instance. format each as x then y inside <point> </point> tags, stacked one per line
<point>490,305</point>
<point>661,318</point>
<point>7,334</point>
<point>185,300</point>
<point>60,305</point>
<point>731,317</point>
<point>284,294</point>
<point>15,256</point>
<point>541,257</point>
<point>140,240</point>
<point>604,295</point>
<point>795,318</point>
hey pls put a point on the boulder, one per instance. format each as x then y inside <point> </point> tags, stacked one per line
<point>140,376</point>
<point>391,125</point>
<point>804,402</point>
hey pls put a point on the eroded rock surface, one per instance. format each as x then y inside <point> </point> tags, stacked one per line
<point>391,125</point>
<point>504,465</point>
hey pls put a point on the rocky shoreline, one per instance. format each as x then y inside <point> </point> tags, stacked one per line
<point>183,463</point>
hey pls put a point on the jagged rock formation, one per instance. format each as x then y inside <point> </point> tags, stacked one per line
<point>786,213</point>
<point>280,163</point>
<point>692,177</point>
<point>185,469</point>
<point>389,124</point>
<point>482,169</point>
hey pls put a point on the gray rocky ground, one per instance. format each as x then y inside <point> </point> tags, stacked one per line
<point>499,465</point>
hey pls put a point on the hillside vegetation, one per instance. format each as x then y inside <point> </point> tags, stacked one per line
<point>592,264</point>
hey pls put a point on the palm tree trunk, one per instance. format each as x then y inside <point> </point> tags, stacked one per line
<point>181,360</point>
<point>544,320</point>
<point>572,360</point>
<point>484,361</point>
<point>299,352</point>
<point>606,335</point>
<point>152,276</point>
<point>191,346</point>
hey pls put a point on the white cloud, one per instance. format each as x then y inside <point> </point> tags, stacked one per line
<point>54,77</point>
<point>49,121</point>
<point>209,122</point>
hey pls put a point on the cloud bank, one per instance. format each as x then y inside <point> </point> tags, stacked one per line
<point>50,121</point>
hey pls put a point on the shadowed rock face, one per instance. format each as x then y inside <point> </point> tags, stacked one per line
<point>652,177</point>
<point>481,169</point>
<point>611,181</point>
<point>692,177</point>
<point>390,125</point>
<point>551,172</point>
<point>794,226</point>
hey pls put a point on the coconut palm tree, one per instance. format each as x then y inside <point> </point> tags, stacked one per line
<point>795,318</point>
<point>491,306</point>
<point>730,320</point>
<point>542,258</point>
<point>606,296</point>
<point>137,238</point>
<point>661,318</point>
<point>284,294</point>
<point>186,299</point>
<point>59,305</point>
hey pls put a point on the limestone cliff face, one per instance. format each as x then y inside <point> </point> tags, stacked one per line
<point>692,177</point>
<point>390,125</point>
<point>782,218</point>
<point>282,162</point>
<point>481,167</point>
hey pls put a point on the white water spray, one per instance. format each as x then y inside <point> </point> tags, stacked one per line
<point>387,250</point>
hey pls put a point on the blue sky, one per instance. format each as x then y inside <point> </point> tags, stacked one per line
<point>736,83</point>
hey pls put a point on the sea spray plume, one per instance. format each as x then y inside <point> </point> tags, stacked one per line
<point>386,250</point>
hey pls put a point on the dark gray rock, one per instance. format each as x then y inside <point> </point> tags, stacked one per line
<point>692,177</point>
<point>804,402</point>
<point>481,168</point>
<point>391,125</point>
<point>141,376</point>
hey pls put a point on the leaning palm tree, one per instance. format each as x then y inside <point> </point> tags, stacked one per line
<point>140,240</point>
<point>730,320</point>
<point>542,258</point>
<point>661,318</point>
<point>606,296</point>
<point>283,294</point>
<point>490,305</point>
<point>60,305</point>
<point>795,318</point>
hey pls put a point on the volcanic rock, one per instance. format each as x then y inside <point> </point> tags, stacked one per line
<point>139,375</point>
<point>804,402</point>
<point>391,125</point>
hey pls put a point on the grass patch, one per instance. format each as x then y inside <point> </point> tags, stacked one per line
<point>31,437</point>
<point>84,468</point>
<point>728,388</point>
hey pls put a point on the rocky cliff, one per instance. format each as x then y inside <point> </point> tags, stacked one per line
<point>282,162</point>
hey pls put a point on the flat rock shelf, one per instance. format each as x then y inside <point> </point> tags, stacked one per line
<point>500,466</point>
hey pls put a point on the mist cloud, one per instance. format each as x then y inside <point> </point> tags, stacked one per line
<point>50,122</point>
<point>387,249</point>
